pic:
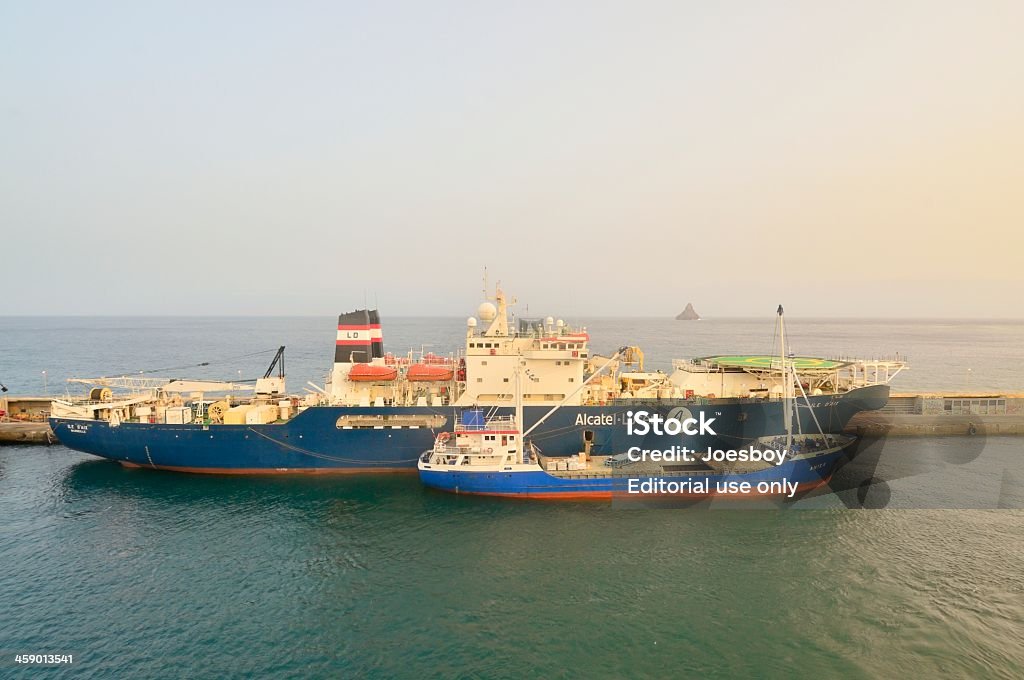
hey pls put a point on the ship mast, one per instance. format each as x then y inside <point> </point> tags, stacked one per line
<point>787,384</point>
<point>519,412</point>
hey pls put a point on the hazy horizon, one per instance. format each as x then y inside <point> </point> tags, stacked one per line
<point>190,159</point>
<point>791,317</point>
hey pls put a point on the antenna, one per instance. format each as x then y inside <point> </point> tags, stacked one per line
<point>787,402</point>
<point>519,409</point>
<point>485,282</point>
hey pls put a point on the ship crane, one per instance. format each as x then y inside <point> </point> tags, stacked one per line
<point>176,385</point>
<point>633,357</point>
<point>135,384</point>
<point>278,359</point>
<point>268,386</point>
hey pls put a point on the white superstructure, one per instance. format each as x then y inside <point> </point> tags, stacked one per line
<point>552,357</point>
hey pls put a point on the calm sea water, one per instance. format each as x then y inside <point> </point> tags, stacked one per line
<point>148,574</point>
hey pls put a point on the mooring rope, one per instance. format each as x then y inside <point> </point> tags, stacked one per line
<point>324,456</point>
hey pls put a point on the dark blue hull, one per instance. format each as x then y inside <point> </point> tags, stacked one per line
<point>313,442</point>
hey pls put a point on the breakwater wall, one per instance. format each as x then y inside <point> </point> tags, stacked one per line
<point>943,414</point>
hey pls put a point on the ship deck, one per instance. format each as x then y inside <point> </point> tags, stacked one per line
<point>597,467</point>
<point>600,467</point>
<point>769,362</point>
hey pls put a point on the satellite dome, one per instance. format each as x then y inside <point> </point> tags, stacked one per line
<point>471,322</point>
<point>486,311</point>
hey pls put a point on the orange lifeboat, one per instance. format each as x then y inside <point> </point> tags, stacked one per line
<point>372,373</point>
<point>429,373</point>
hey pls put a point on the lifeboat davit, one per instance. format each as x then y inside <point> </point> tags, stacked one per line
<point>429,373</point>
<point>431,358</point>
<point>372,373</point>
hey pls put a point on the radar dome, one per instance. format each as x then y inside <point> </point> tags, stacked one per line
<point>471,322</point>
<point>486,311</point>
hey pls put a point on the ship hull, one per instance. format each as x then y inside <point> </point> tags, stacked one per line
<point>805,474</point>
<point>313,442</point>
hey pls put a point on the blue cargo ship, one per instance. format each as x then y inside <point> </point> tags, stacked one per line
<point>378,413</point>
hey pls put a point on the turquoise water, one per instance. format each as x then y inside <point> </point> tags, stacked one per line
<point>147,574</point>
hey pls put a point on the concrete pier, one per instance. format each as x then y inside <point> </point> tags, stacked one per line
<point>906,415</point>
<point>943,414</point>
<point>877,424</point>
<point>23,420</point>
<point>19,432</point>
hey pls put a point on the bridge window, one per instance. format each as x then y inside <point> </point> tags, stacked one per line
<point>372,421</point>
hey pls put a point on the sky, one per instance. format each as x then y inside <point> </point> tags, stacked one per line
<point>599,158</point>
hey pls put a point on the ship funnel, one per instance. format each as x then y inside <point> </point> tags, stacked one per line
<point>376,335</point>
<point>359,337</point>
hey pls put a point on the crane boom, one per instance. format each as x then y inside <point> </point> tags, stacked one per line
<point>278,359</point>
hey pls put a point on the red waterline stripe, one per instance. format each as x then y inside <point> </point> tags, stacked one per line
<point>273,471</point>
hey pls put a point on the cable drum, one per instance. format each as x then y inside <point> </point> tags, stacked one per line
<point>101,394</point>
<point>217,410</point>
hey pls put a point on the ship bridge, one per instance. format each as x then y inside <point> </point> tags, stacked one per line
<point>552,355</point>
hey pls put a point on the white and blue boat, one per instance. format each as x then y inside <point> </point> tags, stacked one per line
<point>493,456</point>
